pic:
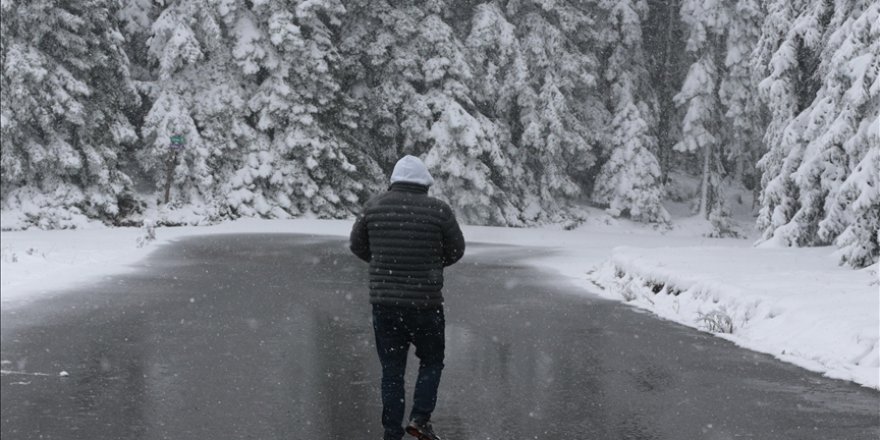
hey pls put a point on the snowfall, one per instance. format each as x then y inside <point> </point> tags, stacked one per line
<point>795,304</point>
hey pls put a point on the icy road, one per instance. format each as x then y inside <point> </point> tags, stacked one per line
<point>269,337</point>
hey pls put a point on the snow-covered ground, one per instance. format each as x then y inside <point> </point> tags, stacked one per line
<point>795,304</point>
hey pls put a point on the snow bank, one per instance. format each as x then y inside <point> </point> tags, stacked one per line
<point>795,304</point>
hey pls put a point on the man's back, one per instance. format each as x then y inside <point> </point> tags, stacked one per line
<point>407,237</point>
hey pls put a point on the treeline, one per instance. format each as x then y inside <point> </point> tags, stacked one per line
<point>522,109</point>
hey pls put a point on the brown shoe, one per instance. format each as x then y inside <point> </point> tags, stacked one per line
<point>421,430</point>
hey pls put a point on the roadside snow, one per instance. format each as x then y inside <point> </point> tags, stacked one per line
<point>795,304</point>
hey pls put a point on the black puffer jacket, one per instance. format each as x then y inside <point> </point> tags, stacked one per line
<point>408,238</point>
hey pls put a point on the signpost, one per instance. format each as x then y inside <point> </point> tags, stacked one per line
<point>177,144</point>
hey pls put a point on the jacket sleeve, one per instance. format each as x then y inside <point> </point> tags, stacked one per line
<point>359,242</point>
<point>453,241</point>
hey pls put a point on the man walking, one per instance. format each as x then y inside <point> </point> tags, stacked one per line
<point>408,238</point>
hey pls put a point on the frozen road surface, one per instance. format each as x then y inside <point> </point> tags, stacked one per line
<point>269,337</point>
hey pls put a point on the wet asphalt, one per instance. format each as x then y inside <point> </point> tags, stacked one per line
<point>269,337</point>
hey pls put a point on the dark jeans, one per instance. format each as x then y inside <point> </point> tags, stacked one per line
<point>395,329</point>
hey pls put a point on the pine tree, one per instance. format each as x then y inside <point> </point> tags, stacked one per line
<point>65,89</point>
<point>848,150</point>
<point>860,197</point>
<point>666,61</point>
<point>197,93</point>
<point>558,107</point>
<point>819,86</point>
<point>415,79</point>
<point>300,161</point>
<point>460,145</point>
<point>781,78</point>
<point>702,127</point>
<point>742,110</point>
<point>629,182</point>
<point>500,74</point>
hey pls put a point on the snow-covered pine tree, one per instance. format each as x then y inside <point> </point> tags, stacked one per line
<point>744,116</point>
<point>557,121</point>
<point>776,65</point>
<point>496,55</point>
<point>859,198</point>
<point>666,61</point>
<point>702,128</point>
<point>821,88</point>
<point>788,90</point>
<point>629,182</point>
<point>65,86</point>
<point>499,75</point>
<point>197,92</point>
<point>368,43</point>
<point>818,162</point>
<point>849,143</point>
<point>459,145</point>
<point>300,161</point>
<point>414,82</point>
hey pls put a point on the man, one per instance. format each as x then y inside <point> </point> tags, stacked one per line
<point>408,238</point>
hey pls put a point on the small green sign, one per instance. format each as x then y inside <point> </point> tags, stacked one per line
<point>178,139</point>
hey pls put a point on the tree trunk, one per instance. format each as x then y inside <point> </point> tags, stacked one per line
<point>704,196</point>
<point>664,152</point>
<point>169,165</point>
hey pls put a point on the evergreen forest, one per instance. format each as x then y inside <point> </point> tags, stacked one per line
<point>525,111</point>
